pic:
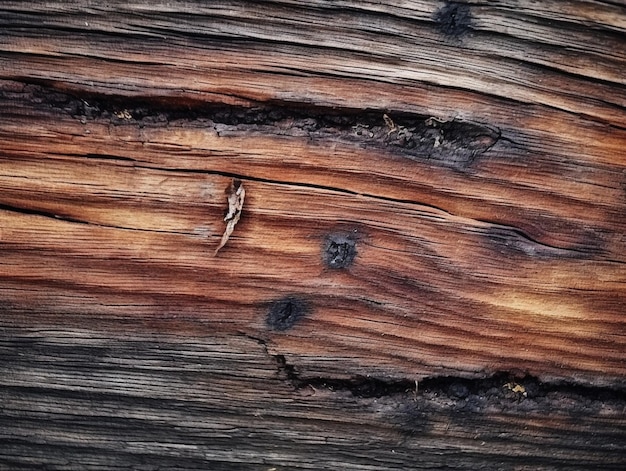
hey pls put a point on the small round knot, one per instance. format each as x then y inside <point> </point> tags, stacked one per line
<point>339,251</point>
<point>285,312</point>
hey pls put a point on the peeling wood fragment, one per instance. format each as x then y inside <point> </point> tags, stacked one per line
<point>236,194</point>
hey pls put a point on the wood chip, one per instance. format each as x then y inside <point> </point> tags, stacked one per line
<point>236,194</point>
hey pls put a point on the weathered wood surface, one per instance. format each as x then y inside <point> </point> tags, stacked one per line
<point>430,266</point>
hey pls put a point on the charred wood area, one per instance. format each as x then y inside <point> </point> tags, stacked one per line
<point>313,235</point>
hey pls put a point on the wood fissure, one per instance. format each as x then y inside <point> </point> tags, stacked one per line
<point>447,142</point>
<point>506,389</point>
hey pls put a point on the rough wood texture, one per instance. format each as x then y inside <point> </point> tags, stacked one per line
<point>429,269</point>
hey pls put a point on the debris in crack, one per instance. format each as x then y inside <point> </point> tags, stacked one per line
<point>501,391</point>
<point>421,138</point>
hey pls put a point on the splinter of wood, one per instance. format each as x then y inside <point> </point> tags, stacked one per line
<point>236,194</point>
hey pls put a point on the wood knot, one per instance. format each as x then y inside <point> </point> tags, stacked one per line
<point>454,19</point>
<point>285,312</point>
<point>339,251</point>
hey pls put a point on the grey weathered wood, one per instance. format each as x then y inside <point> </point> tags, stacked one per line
<point>80,398</point>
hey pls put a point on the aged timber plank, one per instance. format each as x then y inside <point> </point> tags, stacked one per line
<point>429,270</point>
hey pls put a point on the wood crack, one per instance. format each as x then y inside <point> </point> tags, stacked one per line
<point>516,240</point>
<point>449,143</point>
<point>503,387</point>
<point>506,389</point>
<point>63,218</point>
<point>312,186</point>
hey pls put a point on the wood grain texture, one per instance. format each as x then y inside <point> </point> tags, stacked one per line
<point>435,196</point>
<point>75,399</point>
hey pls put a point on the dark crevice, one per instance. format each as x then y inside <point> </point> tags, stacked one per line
<point>501,387</point>
<point>451,143</point>
<point>59,217</point>
<point>38,212</point>
<point>288,372</point>
<point>512,240</point>
<point>94,156</point>
<point>105,157</point>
